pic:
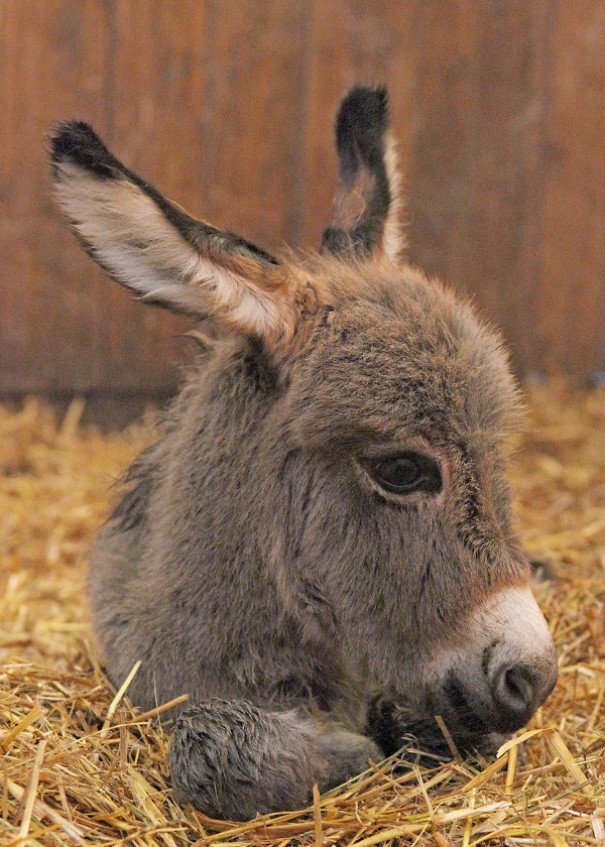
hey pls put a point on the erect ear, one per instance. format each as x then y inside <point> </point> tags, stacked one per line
<point>367,201</point>
<point>156,249</point>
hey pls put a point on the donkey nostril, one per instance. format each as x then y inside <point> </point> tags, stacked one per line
<point>513,690</point>
<point>518,686</point>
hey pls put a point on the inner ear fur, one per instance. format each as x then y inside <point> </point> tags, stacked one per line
<point>152,246</point>
<point>367,201</point>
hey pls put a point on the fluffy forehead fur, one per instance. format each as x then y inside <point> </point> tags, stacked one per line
<point>397,355</point>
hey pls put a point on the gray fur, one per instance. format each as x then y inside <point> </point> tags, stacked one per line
<point>254,565</point>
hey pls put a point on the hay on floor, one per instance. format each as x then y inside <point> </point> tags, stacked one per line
<point>80,766</point>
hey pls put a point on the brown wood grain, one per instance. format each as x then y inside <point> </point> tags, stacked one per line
<point>55,61</point>
<point>253,117</point>
<point>228,108</point>
<point>474,170</point>
<point>570,326</point>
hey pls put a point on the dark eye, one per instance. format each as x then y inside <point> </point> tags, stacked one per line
<point>402,473</point>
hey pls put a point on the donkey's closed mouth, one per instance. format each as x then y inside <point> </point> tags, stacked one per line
<point>325,518</point>
<point>399,730</point>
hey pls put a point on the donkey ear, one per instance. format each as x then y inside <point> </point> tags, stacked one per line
<point>154,248</point>
<point>367,201</point>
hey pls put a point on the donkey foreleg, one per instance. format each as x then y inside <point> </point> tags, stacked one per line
<point>231,759</point>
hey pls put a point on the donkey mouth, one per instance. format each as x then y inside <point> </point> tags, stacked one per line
<point>461,712</point>
<point>428,746</point>
<point>423,740</point>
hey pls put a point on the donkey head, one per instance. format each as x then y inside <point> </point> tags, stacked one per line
<point>384,513</point>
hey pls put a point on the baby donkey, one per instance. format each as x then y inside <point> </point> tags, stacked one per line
<point>318,549</point>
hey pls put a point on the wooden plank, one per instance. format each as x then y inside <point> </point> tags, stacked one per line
<point>252,114</point>
<point>504,168</point>
<point>438,195</point>
<point>475,166</point>
<point>55,65</point>
<point>570,323</point>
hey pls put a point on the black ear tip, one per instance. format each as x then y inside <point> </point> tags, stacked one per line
<point>366,106</point>
<point>77,142</point>
<point>69,137</point>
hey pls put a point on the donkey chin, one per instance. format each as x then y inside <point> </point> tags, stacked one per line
<point>474,697</point>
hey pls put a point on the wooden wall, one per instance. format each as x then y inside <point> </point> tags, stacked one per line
<point>227,105</point>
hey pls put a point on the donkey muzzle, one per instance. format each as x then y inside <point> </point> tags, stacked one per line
<point>507,669</point>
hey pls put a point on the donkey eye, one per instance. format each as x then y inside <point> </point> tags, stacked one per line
<point>403,473</point>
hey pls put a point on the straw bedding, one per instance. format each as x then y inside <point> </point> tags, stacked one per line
<point>81,766</point>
